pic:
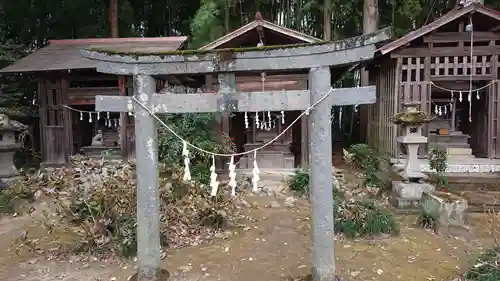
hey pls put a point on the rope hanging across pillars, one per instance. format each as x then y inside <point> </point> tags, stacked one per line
<point>460,94</point>
<point>89,115</point>
<point>232,166</point>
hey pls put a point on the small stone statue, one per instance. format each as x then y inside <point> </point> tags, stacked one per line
<point>97,139</point>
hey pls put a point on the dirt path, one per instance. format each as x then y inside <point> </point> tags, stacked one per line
<point>277,244</point>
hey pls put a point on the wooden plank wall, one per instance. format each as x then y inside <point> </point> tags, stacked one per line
<point>55,120</point>
<point>381,131</point>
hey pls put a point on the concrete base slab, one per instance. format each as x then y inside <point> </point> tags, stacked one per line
<point>411,190</point>
<point>404,203</point>
<point>462,165</point>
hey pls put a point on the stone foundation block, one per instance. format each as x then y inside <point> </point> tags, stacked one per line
<point>411,190</point>
<point>448,211</point>
<point>405,203</point>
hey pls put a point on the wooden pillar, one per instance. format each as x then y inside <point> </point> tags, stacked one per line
<point>42,112</point>
<point>67,118</point>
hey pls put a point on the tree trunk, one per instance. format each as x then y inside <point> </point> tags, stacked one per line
<point>298,18</point>
<point>226,18</point>
<point>370,22</point>
<point>327,20</point>
<point>113,18</point>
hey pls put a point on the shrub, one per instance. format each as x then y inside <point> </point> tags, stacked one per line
<point>14,194</point>
<point>365,218</point>
<point>299,182</point>
<point>352,218</point>
<point>438,161</point>
<point>367,160</point>
<point>486,267</point>
<point>199,129</point>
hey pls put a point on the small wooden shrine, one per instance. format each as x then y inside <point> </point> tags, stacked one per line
<point>450,67</point>
<point>68,84</point>
<point>287,152</point>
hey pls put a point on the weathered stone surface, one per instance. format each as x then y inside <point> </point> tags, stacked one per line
<point>404,203</point>
<point>411,190</point>
<point>445,207</point>
<point>448,212</point>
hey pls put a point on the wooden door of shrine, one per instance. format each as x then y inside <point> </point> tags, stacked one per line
<point>55,122</point>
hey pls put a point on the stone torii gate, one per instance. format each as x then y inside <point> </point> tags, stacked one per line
<point>144,64</point>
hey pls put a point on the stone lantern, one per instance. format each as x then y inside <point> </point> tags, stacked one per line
<point>8,146</point>
<point>412,120</point>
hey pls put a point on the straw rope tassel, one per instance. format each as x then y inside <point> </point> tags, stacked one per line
<point>214,184</point>
<point>255,172</point>
<point>232,176</point>
<point>187,172</point>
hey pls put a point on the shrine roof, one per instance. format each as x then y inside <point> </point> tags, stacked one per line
<point>273,30</point>
<point>66,54</point>
<point>451,16</point>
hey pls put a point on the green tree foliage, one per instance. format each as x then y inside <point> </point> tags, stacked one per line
<point>26,25</point>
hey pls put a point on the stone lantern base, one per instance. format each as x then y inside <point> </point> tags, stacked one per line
<point>7,168</point>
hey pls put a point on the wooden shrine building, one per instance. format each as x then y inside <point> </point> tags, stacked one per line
<point>291,149</point>
<point>438,66</point>
<point>68,81</point>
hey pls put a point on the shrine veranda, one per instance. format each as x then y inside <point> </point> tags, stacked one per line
<point>319,59</point>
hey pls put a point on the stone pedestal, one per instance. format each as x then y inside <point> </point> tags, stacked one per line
<point>412,167</point>
<point>8,146</point>
<point>7,168</point>
<point>448,212</point>
<point>409,194</point>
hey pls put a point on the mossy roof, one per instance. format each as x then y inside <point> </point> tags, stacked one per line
<point>117,50</point>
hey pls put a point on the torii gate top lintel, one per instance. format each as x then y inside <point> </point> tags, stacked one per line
<point>156,61</point>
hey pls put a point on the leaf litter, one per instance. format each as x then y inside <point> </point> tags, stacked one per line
<point>92,204</point>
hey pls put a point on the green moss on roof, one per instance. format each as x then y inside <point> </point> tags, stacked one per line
<point>110,51</point>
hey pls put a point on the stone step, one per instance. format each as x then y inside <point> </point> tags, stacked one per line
<point>268,160</point>
<point>458,151</point>
<point>449,138</point>
<point>460,158</point>
<point>267,175</point>
<point>452,145</point>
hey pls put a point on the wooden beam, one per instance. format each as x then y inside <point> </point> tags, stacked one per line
<point>464,77</point>
<point>93,91</point>
<point>90,101</point>
<point>445,51</point>
<point>453,37</point>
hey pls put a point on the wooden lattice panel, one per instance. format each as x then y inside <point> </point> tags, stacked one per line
<point>456,67</point>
